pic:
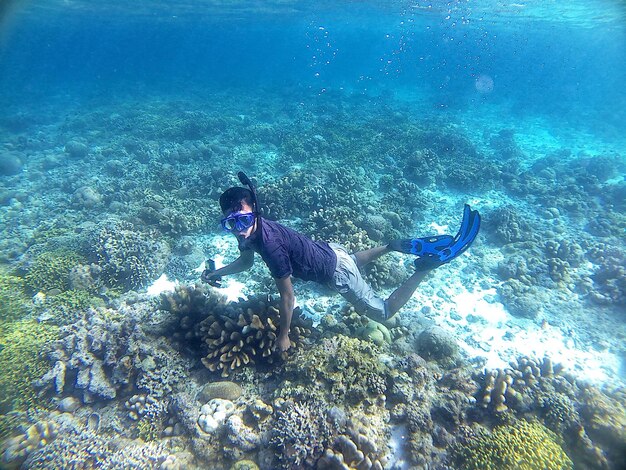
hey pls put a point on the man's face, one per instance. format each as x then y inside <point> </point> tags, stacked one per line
<point>250,230</point>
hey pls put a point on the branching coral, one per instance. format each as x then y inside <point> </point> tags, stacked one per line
<point>51,270</point>
<point>233,335</point>
<point>12,297</point>
<point>300,434</point>
<point>523,445</point>
<point>245,333</point>
<point>21,346</point>
<point>129,257</point>
<point>341,368</point>
<point>504,386</point>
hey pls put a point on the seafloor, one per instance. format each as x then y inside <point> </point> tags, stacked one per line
<point>509,357</point>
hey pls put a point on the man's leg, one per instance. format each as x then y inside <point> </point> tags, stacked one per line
<point>367,256</point>
<point>402,294</point>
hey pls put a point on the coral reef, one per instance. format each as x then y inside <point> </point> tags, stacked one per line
<point>522,445</point>
<point>343,370</point>
<point>128,256</point>
<point>572,409</point>
<point>301,433</point>
<point>214,413</point>
<point>358,448</point>
<point>507,226</point>
<point>336,224</point>
<point>51,270</point>
<point>78,446</point>
<point>435,343</point>
<point>66,307</point>
<point>17,449</point>
<point>504,385</point>
<point>12,297</point>
<point>100,355</point>
<point>245,333</point>
<point>21,362</point>
<point>225,390</point>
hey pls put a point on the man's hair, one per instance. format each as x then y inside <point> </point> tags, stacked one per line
<point>231,200</point>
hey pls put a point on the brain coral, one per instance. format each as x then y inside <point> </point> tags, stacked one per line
<point>522,446</point>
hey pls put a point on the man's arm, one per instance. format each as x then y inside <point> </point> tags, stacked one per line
<point>286,306</point>
<point>243,263</point>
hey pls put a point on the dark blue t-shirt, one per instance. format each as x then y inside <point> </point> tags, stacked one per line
<point>287,252</point>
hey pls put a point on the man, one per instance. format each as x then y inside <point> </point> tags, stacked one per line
<point>288,253</point>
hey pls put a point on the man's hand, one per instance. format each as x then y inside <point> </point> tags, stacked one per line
<point>210,277</point>
<point>283,343</point>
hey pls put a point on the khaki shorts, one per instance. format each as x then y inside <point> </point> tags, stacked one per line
<point>347,280</point>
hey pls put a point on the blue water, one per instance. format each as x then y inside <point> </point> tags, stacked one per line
<point>121,122</point>
<point>544,57</point>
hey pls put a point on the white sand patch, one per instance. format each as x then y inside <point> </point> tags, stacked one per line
<point>486,330</point>
<point>233,290</point>
<point>162,284</point>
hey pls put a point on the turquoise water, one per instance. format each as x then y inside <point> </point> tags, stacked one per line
<point>359,122</point>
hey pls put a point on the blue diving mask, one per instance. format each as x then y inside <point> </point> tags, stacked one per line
<point>238,221</point>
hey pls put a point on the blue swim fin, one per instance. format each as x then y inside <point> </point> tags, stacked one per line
<point>464,238</point>
<point>440,249</point>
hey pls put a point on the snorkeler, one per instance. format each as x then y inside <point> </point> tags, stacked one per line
<point>289,253</point>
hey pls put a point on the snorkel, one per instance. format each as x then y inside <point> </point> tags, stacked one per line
<point>255,204</point>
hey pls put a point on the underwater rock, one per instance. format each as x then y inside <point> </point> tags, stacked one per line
<point>86,197</point>
<point>241,437</point>
<point>225,390</point>
<point>10,164</point>
<point>20,447</point>
<point>437,344</point>
<point>214,414</point>
<point>69,404</point>
<point>76,149</point>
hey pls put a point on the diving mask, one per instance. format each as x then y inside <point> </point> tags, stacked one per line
<point>238,221</point>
